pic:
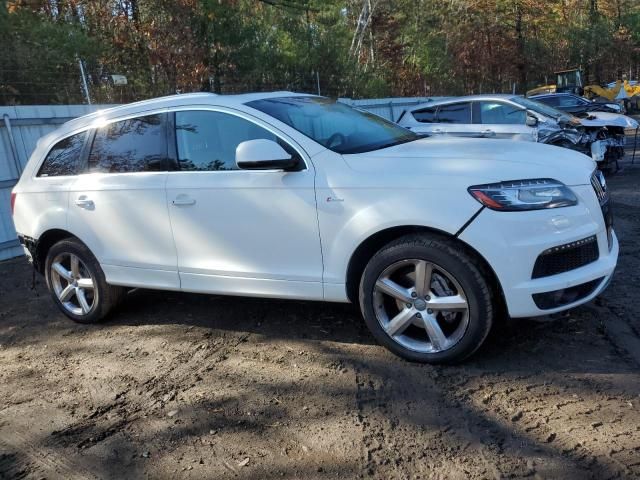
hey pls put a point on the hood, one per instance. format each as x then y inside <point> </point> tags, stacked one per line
<point>608,119</point>
<point>476,160</point>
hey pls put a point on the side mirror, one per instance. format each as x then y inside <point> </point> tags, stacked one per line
<point>531,121</point>
<point>262,154</point>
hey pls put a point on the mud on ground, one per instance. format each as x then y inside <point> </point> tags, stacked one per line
<point>195,386</point>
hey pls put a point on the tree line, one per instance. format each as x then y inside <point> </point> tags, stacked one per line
<point>347,48</point>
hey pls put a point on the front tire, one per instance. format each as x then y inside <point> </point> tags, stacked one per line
<point>77,283</point>
<point>426,300</point>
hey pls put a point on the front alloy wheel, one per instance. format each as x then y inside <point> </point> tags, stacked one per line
<point>421,306</point>
<point>427,299</point>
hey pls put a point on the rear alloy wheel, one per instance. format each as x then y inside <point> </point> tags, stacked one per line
<point>77,283</point>
<point>425,300</point>
<point>73,285</point>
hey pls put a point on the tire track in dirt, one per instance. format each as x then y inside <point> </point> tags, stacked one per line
<point>614,304</point>
<point>410,428</point>
<point>34,457</point>
<point>151,395</point>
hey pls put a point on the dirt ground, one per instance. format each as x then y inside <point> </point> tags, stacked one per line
<point>195,386</point>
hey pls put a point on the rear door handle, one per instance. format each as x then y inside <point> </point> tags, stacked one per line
<point>488,133</point>
<point>85,202</point>
<point>182,200</point>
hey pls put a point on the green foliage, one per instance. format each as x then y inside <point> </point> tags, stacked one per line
<point>355,48</point>
<point>38,59</point>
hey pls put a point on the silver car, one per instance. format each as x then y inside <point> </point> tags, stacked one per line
<point>511,117</point>
<point>478,116</point>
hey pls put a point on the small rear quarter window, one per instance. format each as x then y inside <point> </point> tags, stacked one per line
<point>426,115</point>
<point>64,158</point>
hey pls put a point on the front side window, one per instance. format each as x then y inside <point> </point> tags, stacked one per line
<point>207,141</point>
<point>498,113</point>
<point>133,145</point>
<point>336,126</point>
<point>426,115</point>
<point>456,113</point>
<point>64,157</point>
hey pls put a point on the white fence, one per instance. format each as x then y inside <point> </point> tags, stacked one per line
<point>389,108</point>
<point>22,126</point>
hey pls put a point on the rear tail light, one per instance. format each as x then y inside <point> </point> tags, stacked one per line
<point>13,202</point>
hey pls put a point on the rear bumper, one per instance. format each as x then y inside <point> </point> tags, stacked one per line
<point>30,246</point>
<point>511,243</point>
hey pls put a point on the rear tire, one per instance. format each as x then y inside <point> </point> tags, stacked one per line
<point>77,283</point>
<point>426,300</point>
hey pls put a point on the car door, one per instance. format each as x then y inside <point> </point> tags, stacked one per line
<point>237,231</point>
<point>455,119</point>
<point>502,120</point>
<point>118,206</point>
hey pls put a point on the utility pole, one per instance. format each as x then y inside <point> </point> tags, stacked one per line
<point>85,87</point>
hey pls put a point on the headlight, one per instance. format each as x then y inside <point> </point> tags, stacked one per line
<point>518,195</point>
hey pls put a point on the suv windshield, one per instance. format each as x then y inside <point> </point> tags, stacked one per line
<point>336,126</point>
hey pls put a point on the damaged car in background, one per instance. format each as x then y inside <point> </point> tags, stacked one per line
<point>577,105</point>
<point>516,118</point>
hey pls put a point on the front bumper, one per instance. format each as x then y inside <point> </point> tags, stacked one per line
<point>512,241</point>
<point>608,148</point>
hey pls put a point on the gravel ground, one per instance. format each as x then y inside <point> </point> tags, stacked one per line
<point>195,386</point>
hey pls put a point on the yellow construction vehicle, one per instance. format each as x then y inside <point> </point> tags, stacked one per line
<point>567,81</point>
<point>614,93</point>
<point>571,81</point>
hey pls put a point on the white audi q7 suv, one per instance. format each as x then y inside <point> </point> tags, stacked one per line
<point>296,196</point>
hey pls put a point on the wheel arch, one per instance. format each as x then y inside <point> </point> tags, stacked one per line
<point>44,243</point>
<point>371,245</point>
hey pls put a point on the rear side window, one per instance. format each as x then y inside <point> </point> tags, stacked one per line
<point>456,113</point>
<point>133,145</point>
<point>426,115</point>
<point>64,157</point>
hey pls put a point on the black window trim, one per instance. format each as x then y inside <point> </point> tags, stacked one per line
<point>173,149</point>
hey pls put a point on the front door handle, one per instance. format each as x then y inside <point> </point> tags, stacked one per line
<point>182,200</point>
<point>85,202</point>
<point>437,130</point>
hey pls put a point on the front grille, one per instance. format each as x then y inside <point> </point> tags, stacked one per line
<point>566,296</point>
<point>564,258</point>
<point>599,186</point>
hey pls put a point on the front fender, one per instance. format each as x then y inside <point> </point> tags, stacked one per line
<point>364,212</point>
